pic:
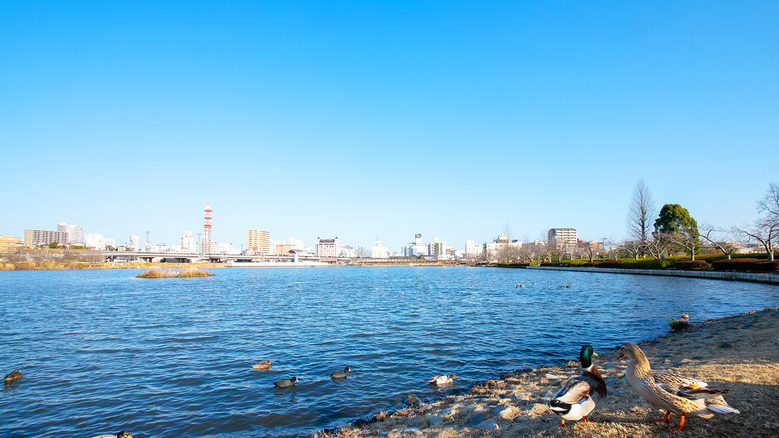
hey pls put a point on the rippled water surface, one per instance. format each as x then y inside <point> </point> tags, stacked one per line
<point>102,351</point>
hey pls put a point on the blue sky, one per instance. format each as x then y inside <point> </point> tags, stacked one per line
<point>366,119</point>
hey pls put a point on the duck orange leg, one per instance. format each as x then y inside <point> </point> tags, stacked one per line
<point>677,428</point>
<point>665,419</point>
<point>562,422</point>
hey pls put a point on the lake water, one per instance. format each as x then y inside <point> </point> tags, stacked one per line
<point>102,351</point>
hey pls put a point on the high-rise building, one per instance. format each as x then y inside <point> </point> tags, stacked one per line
<point>187,243</point>
<point>258,242</point>
<point>557,237</point>
<point>33,238</point>
<point>327,248</point>
<point>135,242</point>
<point>75,233</point>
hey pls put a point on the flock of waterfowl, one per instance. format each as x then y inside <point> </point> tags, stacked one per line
<point>673,393</point>
<point>342,374</point>
<point>581,395</point>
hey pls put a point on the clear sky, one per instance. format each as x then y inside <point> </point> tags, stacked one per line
<point>366,119</point>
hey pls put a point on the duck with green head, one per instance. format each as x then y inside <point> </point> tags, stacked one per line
<point>580,395</point>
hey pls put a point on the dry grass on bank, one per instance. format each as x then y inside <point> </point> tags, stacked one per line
<point>174,273</point>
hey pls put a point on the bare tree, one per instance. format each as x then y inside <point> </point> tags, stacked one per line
<point>634,248</point>
<point>640,214</point>
<point>765,229</point>
<point>589,252</point>
<point>719,239</point>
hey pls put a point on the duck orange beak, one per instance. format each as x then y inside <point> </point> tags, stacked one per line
<point>621,355</point>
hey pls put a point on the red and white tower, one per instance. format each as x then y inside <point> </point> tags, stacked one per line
<point>207,230</point>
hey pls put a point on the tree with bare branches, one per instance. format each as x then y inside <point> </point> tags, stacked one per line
<point>765,229</point>
<point>639,223</point>
<point>719,239</point>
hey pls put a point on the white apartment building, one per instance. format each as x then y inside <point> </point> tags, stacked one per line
<point>379,251</point>
<point>258,242</point>
<point>564,236</point>
<point>135,243</point>
<point>347,251</point>
<point>473,249</point>
<point>187,242</point>
<point>98,242</point>
<point>75,233</point>
<point>437,249</point>
<point>502,243</point>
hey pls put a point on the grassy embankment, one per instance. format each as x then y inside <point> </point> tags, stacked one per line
<point>704,262</point>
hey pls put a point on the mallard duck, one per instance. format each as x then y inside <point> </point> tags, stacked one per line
<point>341,374</point>
<point>122,434</point>
<point>681,395</point>
<point>262,365</point>
<point>14,375</point>
<point>580,395</point>
<point>441,380</point>
<point>286,383</point>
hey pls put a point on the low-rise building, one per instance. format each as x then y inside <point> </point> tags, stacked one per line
<point>327,248</point>
<point>9,243</point>
<point>379,251</point>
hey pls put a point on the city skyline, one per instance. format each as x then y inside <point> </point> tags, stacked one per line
<point>329,119</point>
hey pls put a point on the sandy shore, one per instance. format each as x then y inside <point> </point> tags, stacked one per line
<point>740,353</point>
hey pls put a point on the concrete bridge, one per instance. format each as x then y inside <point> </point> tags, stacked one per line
<point>156,257</point>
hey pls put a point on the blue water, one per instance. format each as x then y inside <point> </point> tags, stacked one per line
<point>102,351</point>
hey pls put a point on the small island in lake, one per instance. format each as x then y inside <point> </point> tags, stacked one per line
<point>174,273</point>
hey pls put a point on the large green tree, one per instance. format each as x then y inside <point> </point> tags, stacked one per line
<point>676,226</point>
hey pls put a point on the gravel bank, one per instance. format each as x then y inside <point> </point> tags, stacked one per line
<point>740,353</point>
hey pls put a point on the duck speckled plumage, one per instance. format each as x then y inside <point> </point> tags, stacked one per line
<point>580,395</point>
<point>673,393</point>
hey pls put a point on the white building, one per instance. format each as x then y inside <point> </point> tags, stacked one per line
<point>379,251</point>
<point>557,237</point>
<point>297,243</point>
<point>473,249</point>
<point>98,242</point>
<point>75,233</point>
<point>187,242</point>
<point>438,249</point>
<point>327,248</point>
<point>502,243</point>
<point>416,248</point>
<point>134,243</point>
<point>347,251</point>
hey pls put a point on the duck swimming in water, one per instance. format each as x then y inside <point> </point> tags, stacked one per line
<point>681,395</point>
<point>262,365</point>
<point>442,380</point>
<point>14,375</point>
<point>340,374</point>
<point>286,383</point>
<point>122,434</point>
<point>580,395</point>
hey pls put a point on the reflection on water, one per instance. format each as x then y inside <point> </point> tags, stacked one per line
<point>102,351</point>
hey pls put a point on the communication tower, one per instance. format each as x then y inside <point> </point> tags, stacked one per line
<point>207,229</point>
